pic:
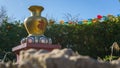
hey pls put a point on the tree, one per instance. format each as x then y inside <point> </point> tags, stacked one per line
<point>70,18</point>
<point>3,14</point>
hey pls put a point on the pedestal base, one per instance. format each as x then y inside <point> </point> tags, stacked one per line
<point>37,46</point>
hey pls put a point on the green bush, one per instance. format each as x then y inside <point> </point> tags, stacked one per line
<point>93,39</point>
<point>10,36</point>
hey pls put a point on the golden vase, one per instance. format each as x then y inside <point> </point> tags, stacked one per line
<point>35,24</point>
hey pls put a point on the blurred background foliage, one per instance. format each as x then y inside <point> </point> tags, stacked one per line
<point>93,39</point>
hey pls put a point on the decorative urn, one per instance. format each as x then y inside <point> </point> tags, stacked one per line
<point>36,26</point>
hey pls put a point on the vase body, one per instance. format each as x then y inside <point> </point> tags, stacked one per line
<point>35,24</point>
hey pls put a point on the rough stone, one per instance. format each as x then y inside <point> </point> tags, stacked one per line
<point>64,58</point>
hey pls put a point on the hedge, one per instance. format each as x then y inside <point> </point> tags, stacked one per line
<point>93,39</point>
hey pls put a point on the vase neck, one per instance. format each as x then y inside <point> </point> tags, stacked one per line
<point>36,10</point>
<point>35,13</point>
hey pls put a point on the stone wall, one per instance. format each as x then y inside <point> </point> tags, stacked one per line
<point>64,58</point>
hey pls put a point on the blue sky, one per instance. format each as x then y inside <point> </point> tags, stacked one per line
<point>57,9</point>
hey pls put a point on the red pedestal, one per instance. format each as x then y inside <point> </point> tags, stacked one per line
<point>37,46</point>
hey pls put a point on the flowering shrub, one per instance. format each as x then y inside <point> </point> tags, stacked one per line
<point>98,19</point>
<point>10,36</point>
<point>94,39</point>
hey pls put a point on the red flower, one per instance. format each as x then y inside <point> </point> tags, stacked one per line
<point>99,16</point>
